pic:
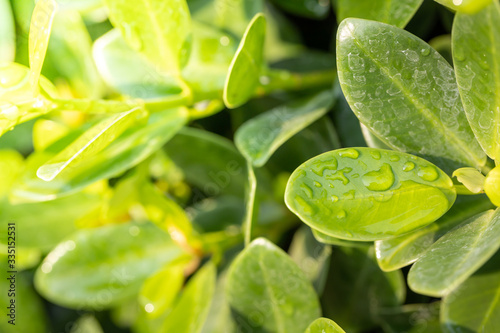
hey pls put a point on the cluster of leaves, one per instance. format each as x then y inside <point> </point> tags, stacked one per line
<point>126,199</point>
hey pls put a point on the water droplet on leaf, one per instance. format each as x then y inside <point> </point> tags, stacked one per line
<point>428,173</point>
<point>380,180</point>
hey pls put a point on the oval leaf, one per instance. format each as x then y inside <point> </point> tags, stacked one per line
<point>99,268</point>
<point>246,67</point>
<point>474,306</point>
<point>405,93</point>
<point>324,325</point>
<point>457,255</point>
<point>261,136</point>
<point>478,73</point>
<point>158,29</point>
<point>368,194</point>
<point>396,13</point>
<point>286,300</point>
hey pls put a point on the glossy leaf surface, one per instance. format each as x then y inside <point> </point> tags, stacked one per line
<point>492,186</point>
<point>457,255</point>
<point>401,251</point>
<point>466,6</point>
<point>324,325</point>
<point>246,67</point>
<point>190,312</point>
<point>7,32</point>
<point>474,306</point>
<point>261,136</point>
<point>406,93</point>
<point>159,30</point>
<point>478,73</point>
<point>286,300</point>
<point>98,268</point>
<point>368,194</point>
<point>396,13</point>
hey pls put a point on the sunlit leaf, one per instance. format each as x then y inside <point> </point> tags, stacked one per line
<point>457,255</point>
<point>368,194</point>
<point>465,6</point>
<point>472,179</point>
<point>7,32</point>
<point>492,186</point>
<point>405,93</point>
<point>324,325</point>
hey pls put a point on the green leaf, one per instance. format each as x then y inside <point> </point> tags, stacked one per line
<point>126,71</point>
<point>261,136</point>
<point>18,102</point>
<point>478,73</point>
<point>306,8</point>
<point>89,143</point>
<point>457,255</point>
<point>466,6</point>
<point>396,13</point>
<point>372,140</point>
<point>192,309</point>
<point>401,251</point>
<point>492,186</point>
<point>55,220</point>
<point>219,316</point>
<point>7,32</point>
<point>11,165</point>
<point>131,148</point>
<point>286,301</point>
<point>246,67</point>
<point>80,5</point>
<point>405,93</point>
<point>40,27</point>
<point>86,323</point>
<point>366,194</point>
<point>411,318</point>
<point>224,172</point>
<point>160,30</point>
<point>357,290</point>
<point>324,325</point>
<point>326,239</point>
<point>472,179</point>
<point>474,306</point>
<point>102,267</point>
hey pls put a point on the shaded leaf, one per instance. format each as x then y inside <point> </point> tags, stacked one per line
<point>306,8</point>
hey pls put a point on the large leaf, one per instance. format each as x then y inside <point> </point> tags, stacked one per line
<point>307,8</point>
<point>90,143</point>
<point>478,73</point>
<point>474,306</point>
<point>324,325</point>
<point>400,251</point>
<point>190,312</point>
<point>7,32</point>
<point>268,292</point>
<point>466,6</point>
<point>368,194</point>
<point>247,65</point>
<point>406,93</point>
<point>99,268</point>
<point>158,29</point>
<point>396,13</point>
<point>131,148</point>
<point>457,255</point>
<point>261,136</point>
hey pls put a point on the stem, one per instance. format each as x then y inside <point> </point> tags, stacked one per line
<point>160,104</point>
<point>95,106</point>
<point>285,80</point>
<point>252,183</point>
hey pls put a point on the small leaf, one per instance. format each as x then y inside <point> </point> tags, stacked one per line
<point>457,255</point>
<point>7,32</point>
<point>286,300</point>
<point>306,8</point>
<point>405,93</point>
<point>474,306</point>
<point>465,6</point>
<point>261,136</point>
<point>472,179</point>
<point>40,27</point>
<point>401,251</point>
<point>478,73</point>
<point>160,30</point>
<point>246,67</point>
<point>396,13</point>
<point>366,194</point>
<point>492,185</point>
<point>101,267</point>
<point>89,143</point>
<point>191,310</point>
<point>127,71</point>
<point>324,325</point>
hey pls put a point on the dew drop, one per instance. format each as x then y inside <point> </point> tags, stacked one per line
<point>380,180</point>
<point>334,198</point>
<point>408,166</point>
<point>394,158</point>
<point>351,153</point>
<point>375,154</point>
<point>425,52</point>
<point>341,214</point>
<point>317,184</point>
<point>428,173</point>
